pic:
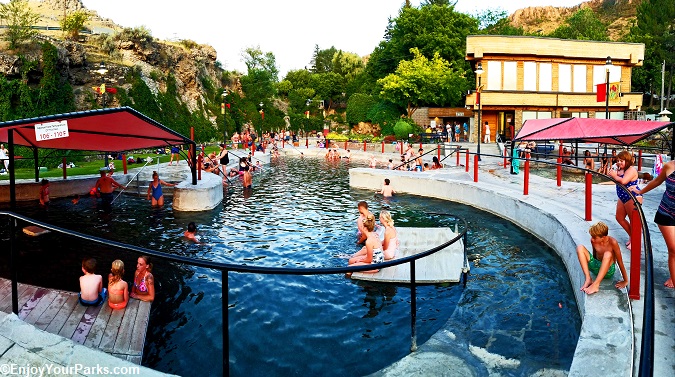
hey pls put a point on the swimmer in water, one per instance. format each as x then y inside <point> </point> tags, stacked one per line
<point>191,233</point>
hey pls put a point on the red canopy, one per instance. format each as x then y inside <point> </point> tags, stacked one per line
<point>590,130</point>
<point>107,130</point>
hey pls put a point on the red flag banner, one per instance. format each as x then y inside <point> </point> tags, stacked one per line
<point>601,90</point>
<point>614,91</point>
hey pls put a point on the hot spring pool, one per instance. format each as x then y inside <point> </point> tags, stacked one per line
<point>518,302</point>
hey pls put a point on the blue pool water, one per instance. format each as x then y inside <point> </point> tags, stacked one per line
<point>518,302</point>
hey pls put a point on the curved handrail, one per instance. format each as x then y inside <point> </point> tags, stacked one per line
<point>646,362</point>
<point>414,158</point>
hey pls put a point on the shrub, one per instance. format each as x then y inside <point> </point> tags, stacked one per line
<point>402,129</point>
<point>385,114</point>
<point>358,107</point>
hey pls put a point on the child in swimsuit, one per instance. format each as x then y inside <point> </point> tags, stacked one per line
<point>601,262</point>
<point>44,193</point>
<point>626,175</point>
<point>117,287</point>
<point>92,292</point>
<point>390,242</point>
<point>144,283</point>
<point>374,253</point>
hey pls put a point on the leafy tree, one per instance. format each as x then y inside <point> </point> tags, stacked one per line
<point>347,64</point>
<point>300,78</point>
<point>402,129</point>
<point>73,23</point>
<point>19,18</point>
<point>259,84</point>
<point>421,81</point>
<point>283,87</point>
<point>322,60</point>
<point>55,95</point>
<point>329,87</point>
<point>386,114</point>
<point>358,107</point>
<point>496,22</point>
<point>583,25</point>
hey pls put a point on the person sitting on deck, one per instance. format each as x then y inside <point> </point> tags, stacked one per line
<point>92,292</point>
<point>435,163</point>
<point>566,156</point>
<point>144,283</point>
<point>390,242</point>
<point>589,160</point>
<point>372,253</point>
<point>605,253</point>
<point>118,289</point>
<point>363,213</point>
<point>604,164</point>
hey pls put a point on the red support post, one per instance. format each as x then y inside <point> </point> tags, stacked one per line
<point>589,197</point>
<point>505,162</point>
<point>382,146</point>
<point>306,142</point>
<point>526,186</point>
<point>639,162</point>
<point>364,145</point>
<point>124,163</point>
<point>475,168</point>
<point>558,172</point>
<point>467,161</point>
<point>345,145</point>
<point>283,142</point>
<point>635,253</point>
<point>199,167</point>
<point>438,152</point>
<point>458,153</point>
<point>252,149</point>
<point>64,167</point>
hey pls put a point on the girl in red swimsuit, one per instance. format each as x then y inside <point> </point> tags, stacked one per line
<point>144,283</point>
<point>118,289</point>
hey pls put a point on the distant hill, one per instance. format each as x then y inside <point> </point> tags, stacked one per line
<point>618,15</point>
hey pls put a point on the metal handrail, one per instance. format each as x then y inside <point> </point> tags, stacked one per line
<point>646,362</point>
<point>414,158</point>
<point>224,268</point>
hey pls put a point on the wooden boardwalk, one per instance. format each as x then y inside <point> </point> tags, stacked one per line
<point>442,267</point>
<point>120,333</point>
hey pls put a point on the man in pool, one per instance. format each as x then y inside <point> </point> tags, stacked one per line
<point>361,234</point>
<point>387,191</point>
<point>105,186</point>
<point>605,253</point>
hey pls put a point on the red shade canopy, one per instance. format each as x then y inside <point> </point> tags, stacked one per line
<point>589,130</point>
<point>107,130</point>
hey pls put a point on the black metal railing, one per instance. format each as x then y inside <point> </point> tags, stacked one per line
<point>225,268</point>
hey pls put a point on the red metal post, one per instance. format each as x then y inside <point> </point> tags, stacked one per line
<point>345,145</point>
<point>199,167</point>
<point>589,197</point>
<point>635,253</point>
<point>64,167</point>
<point>124,163</point>
<point>420,145</point>
<point>252,149</point>
<point>382,146</point>
<point>639,160</point>
<point>558,173</point>
<point>306,142</point>
<point>526,186</point>
<point>467,161</point>
<point>283,142</point>
<point>475,168</point>
<point>505,162</point>
<point>364,145</point>
<point>438,152</point>
<point>458,153</point>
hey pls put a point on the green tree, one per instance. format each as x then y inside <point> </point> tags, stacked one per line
<point>73,23</point>
<point>259,84</point>
<point>329,87</point>
<point>55,95</point>
<point>421,81</point>
<point>18,18</point>
<point>322,60</point>
<point>496,22</point>
<point>584,24</point>
<point>386,114</point>
<point>358,107</point>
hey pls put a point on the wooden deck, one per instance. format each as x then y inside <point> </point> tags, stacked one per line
<point>442,267</point>
<point>120,333</point>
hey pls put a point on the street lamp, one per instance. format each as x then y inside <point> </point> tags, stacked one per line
<point>479,72</point>
<point>102,70</point>
<point>608,65</point>
<point>222,111</point>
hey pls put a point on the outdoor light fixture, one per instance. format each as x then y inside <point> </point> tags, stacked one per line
<point>102,69</point>
<point>479,72</point>
<point>608,65</point>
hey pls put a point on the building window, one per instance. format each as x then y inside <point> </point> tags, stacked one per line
<point>579,78</point>
<point>527,115</point>
<point>580,114</point>
<point>564,78</point>
<point>600,75</point>
<point>494,75</point>
<point>530,76</point>
<point>616,115</point>
<point>545,77</point>
<point>510,75</point>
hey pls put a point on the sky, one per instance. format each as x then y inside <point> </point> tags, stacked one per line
<point>288,29</point>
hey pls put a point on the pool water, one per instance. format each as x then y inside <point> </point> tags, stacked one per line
<point>518,302</point>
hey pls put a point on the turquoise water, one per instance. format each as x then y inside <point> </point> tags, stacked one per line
<point>518,302</point>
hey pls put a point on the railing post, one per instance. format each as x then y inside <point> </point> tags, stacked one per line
<point>64,167</point>
<point>589,197</point>
<point>226,322</point>
<point>14,265</point>
<point>306,142</point>
<point>200,166</point>
<point>345,145</point>
<point>458,153</point>
<point>124,163</point>
<point>283,142</point>
<point>382,146</point>
<point>505,154</point>
<point>639,162</point>
<point>252,149</point>
<point>526,186</point>
<point>558,172</point>
<point>438,152</point>
<point>635,254</point>
<point>420,145</point>
<point>413,308</point>
<point>467,161</point>
<point>364,145</point>
<point>475,168</point>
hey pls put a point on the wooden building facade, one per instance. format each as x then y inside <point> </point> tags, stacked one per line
<point>535,78</point>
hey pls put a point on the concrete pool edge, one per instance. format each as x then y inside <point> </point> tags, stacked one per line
<point>606,336</point>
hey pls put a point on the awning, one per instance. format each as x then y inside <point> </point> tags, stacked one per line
<point>590,130</point>
<point>106,130</point>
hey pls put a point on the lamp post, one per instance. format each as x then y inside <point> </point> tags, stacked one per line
<point>262,116</point>
<point>102,70</point>
<point>479,72</point>
<point>222,111</point>
<point>608,64</point>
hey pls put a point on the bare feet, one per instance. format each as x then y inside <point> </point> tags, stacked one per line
<point>621,284</point>
<point>587,283</point>
<point>669,283</point>
<point>592,289</point>
<point>628,245</point>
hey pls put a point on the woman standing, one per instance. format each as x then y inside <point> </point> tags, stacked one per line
<point>155,190</point>
<point>626,174</point>
<point>144,283</point>
<point>665,215</point>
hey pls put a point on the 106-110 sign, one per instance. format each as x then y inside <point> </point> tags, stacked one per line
<point>51,130</point>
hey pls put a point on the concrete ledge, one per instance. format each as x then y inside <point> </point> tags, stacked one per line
<point>606,338</point>
<point>204,196</point>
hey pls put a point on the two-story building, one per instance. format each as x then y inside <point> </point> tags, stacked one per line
<point>535,78</point>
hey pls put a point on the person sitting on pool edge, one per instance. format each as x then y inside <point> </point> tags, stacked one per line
<point>363,212</point>
<point>144,283</point>
<point>373,249</point>
<point>92,292</point>
<point>606,252</point>
<point>118,289</point>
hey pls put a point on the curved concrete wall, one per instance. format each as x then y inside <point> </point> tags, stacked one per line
<point>205,195</point>
<point>606,338</point>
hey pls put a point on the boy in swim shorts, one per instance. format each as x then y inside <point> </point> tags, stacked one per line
<point>606,253</point>
<point>92,292</point>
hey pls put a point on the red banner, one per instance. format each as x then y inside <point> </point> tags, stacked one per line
<point>601,90</point>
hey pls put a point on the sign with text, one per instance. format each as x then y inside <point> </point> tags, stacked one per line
<point>51,130</point>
